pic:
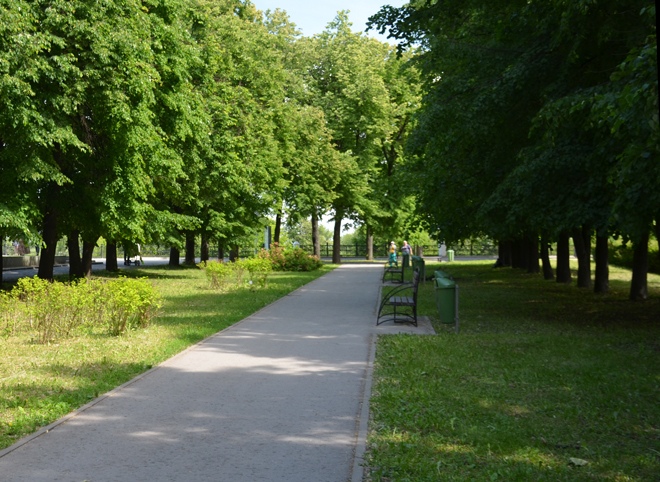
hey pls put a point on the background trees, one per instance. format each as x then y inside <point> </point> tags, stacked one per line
<point>165,120</point>
<point>539,121</point>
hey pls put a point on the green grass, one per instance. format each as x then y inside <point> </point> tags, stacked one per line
<point>541,377</point>
<point>41,383</point>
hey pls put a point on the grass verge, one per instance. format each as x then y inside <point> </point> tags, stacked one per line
<point>544,382</point>
<point>41,383</point>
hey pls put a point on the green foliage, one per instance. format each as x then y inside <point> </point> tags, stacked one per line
<point>55,310</point>
<point>225,276</point>
<point>290,259</point>
<point>131,304</point>
<point>621,254</point>
<point>218,273</point>
<point>258,269</point>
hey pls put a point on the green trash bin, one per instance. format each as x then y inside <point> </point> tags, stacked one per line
<point>450,255</point>
<point>446,300</point>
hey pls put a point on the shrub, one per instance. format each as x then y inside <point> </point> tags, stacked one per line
<point>131,304</point>
<point>298,260</point>
<point>258,269</point>
<point>55,310</point>
<point>294,259</point>
<point>622,255</point>
<point>218,273</point>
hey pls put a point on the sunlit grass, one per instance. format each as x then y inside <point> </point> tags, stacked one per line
<point>41,383</point>
<point>541,378</point>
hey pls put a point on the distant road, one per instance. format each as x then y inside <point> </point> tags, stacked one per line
<point>10,275</point>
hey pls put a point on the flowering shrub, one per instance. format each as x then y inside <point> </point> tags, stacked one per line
<point>294,259</point>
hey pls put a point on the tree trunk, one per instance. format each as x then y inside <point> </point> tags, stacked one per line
<point>533,255</point>
<point>174,256</point>
<point>657,234</point>
<point>278,226</point>
<point>370,243</point>
<point>87,254</point>
<point>233,253</point>
<point>2,260</point>
<point>602,276</point>
<point>204,248</point>
<point>548,272</point>
<point>316,239</point>
<point>221,252</point>
<point>111,256</point>
<point>336,239</point>
<point>639,285</point>
<point>190,248</point>
<point>75,262</point>
<point>515,254</point>
<point>50,236</point>
<point>563,259</point>
<point>504,253</point>
<point>582,243</point>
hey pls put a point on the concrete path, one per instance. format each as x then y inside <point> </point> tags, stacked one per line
<point>280,396</point>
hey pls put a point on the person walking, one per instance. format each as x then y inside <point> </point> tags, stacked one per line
<point>406,251</point>
<point>392,258</point>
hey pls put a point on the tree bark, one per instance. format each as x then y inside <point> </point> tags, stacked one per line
<point>221,252</point>
<point>233,253</point>
<point>75,262</point>
<point>563,259</point>
<point>639,285</point>
<point>316,239</point>
<point>582,243</point>
<point>204,248</point>
<point>50,236</point>
<point>111,256</point>
<point>278,226</point>
<point>518,256</point>
<point>174,257</point>
<point>533,255</point>
<point>504,253</point>
<point>548,272</point>
<point>190,248</point>
<point>370,243</point>
<point>336,239</point>
<point>602,276</point>
<point>87,254</point>
<point>2,260</point>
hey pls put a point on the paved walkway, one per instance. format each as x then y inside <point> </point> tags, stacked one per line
<point>280,396</point>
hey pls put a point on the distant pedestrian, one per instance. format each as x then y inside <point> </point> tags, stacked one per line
<point>392,257</point>
<point>406,251</point>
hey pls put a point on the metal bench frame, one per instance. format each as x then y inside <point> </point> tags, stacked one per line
<point>400,303</point>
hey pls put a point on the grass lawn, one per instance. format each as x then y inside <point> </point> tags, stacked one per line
<point>544,382</point>
<point>41,383</point>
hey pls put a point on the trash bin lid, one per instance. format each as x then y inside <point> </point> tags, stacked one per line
<point>444,283</point>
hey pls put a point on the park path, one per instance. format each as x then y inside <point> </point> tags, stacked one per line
<point>280,396</point>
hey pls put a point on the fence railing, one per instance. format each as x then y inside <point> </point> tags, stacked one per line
<point>346,250</point>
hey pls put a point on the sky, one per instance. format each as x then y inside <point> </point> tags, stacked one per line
<point>312,16</point>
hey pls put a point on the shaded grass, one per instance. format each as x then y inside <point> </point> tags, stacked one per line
<point>41,383</point>
<point>541,377</point>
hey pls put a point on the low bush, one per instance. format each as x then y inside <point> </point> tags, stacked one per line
<point>223,276</point>
<point>131,304</point>
<point>622,255</point>
<point>218,273</point>
<point>294,259</point>
<point>258,269</point>
<point>55,310</point>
